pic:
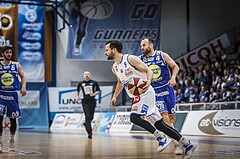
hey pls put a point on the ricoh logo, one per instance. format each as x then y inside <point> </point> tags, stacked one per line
<point>219,123</point>
<point>68,97</point>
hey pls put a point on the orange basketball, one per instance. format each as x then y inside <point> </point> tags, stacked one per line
<point>135,86</point>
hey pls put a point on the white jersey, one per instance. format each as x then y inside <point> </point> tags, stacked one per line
<point>143,104</point>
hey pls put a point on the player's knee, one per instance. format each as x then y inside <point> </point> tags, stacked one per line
<point>134,118</point>
<point>159,124</point>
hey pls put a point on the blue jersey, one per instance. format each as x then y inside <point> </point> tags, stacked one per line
<point>161,71</point>
<point>165,100</point>
<point>9,77</point>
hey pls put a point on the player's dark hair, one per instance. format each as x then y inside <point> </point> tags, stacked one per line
<point>6,48</point>
<point>151,41</point>
<point>115,44</point>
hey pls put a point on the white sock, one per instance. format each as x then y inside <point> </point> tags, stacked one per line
<point>0,138</point>
<point>157,134</point>
<point>184,141</point>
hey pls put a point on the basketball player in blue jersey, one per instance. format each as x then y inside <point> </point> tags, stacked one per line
<point>10,72</point>
<point>74,7</point>
<point>165,71</point>
<point>129,66</point>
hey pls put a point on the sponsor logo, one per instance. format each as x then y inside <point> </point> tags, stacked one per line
<point>31,35</point>
<point>156,71</point>
<point>31,16</point>
<point>59,119</point>
<point>219,123</point>
<point>64,99</point>
<point>31,46</point>
<point>31,56</point>
<point>7,79</point>
<point>32,26</point>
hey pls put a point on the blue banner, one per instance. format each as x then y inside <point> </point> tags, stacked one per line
<point>34,110</point>
<point>97,21</point>
<point>31,41</point>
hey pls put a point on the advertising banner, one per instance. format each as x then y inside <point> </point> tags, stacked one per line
<point>121,122</point>
<point>31,41</point>
<point>34,107</point>
<point>63,99</point>
<point>212,123</point>
<point>202,53</point>
<point>95,22</point>
<point>7,20</point>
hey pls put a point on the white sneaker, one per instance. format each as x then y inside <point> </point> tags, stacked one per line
<point>163,143</point>
<point>189,150</point>
<point>178,150</point>
<point>11,145</point>
<point>77,51</point>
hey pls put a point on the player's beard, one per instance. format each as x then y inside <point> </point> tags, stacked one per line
<point>111,56</point>
<point>147,51</point>
<point>8,57</point>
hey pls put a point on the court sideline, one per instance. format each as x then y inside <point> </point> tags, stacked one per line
<point>42,143</point>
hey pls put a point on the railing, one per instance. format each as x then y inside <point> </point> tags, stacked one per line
<point>179,107</point>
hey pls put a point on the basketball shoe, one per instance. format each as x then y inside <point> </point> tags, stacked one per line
<point>189,150</point>
<point>178,150</point>
<point>11,145</point>
<point>163,143</point>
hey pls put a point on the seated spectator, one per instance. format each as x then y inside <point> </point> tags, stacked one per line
<point>236,93</point>
<point>213,96</point>
<point>226,95</point>
<point>203,95</point>
<point>180,96</point>
<point>193,96</point>
<point>186,89</point>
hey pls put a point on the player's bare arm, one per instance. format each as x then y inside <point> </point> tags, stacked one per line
<point>118,89</point>
<point>175,69</point>
<point>140,65</point>
<point>23,80</point>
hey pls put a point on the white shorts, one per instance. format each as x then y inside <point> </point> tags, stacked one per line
<point>145,103</point>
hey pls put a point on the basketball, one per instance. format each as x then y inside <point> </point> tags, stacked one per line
<point>135,86</point>
<point>96,9</point>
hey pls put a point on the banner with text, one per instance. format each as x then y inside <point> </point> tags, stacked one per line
<point>63,99</point>
<point>31,41</point>
<point>212,123</point>
<point>203,53</point>
<point>96,22</point>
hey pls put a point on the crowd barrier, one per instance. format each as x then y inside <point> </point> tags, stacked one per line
<point>191,120</point>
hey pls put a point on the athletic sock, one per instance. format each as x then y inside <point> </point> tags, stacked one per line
<point>184,141</point>
<point>158,135</point>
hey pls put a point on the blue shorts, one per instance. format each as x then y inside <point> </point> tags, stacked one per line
<point>9,104</point>
<point>165,100</point>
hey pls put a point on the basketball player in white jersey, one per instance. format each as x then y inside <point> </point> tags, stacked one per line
<point>129,66</point>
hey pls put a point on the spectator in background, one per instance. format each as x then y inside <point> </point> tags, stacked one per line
<point>193,96</point>
<point>180,96</point>
<point>190,72</point>
<point>213,96</point>
<point>226,95</point>
<point>200,77</point>
<point>186,88</point>
<point>203,95</point>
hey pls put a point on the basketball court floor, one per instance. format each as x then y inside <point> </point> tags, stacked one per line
<point>44,144</point>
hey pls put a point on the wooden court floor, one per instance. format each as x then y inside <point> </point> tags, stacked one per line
<point>44,144</point>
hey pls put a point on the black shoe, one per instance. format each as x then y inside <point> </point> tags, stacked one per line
<point>90,135</point>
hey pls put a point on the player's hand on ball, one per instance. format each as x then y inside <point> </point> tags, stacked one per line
<point>145,88</point>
